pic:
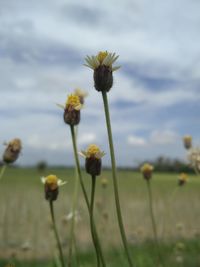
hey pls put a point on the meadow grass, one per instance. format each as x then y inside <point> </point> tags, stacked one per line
<point>26,230</point>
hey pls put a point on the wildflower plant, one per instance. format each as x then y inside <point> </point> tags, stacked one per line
<point>51,189</point>
<point>93,156</point>
<point>102,65</point>
<point>147,170</point>
<point>72,118</point>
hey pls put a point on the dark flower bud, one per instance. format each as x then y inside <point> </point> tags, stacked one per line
<point>93,166</point>
<point>103,78</point>
<point>72,116</point>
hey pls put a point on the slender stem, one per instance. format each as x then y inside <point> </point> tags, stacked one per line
<point>3,168</point>
<point>84,191</point>
<point>114,175</point>
<point>153,221</point>
<point>92,217</point>
<point>74,206</point>
<point>167,209</point>
<point>56,234</point>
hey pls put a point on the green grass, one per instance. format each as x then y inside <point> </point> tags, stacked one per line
<point>25,219</point>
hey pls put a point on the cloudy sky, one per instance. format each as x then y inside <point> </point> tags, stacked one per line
<point>155,98</point>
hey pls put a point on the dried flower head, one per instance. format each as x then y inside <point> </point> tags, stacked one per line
<point>147,170</point>
<point>93,156</point>
<point>81,94</point>
<point>12,151</point>
<point>102,64</point>
<point>182,178</point>
<point>194,158</point>
<point>72,110</point>
<point>51,184</point>
<point>187,141</point>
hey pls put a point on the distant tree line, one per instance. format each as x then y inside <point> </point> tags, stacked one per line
<point>165,164</point>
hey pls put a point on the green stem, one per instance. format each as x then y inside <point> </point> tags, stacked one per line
<point>114,175</point>
<point>84,190</point>
<point>92,217</point>
<point>167,209</point>
<point>56,234</point>
<point>153,222</point>
<point>3,169</point>
<point>74,206</point>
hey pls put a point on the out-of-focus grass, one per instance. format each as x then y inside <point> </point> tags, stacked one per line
<point>144,256</point>
<point>25,220</point>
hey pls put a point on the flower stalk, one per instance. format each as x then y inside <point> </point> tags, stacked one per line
<point>92,217</point>
<point>153,221</point>
<point>114,175</point>
<point>3,169</point>
<point>56,233</point>
<point>72,226</point>
<point>85,193</point>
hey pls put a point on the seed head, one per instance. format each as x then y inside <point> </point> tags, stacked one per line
<point>147,170</point>
<point>12,151</point>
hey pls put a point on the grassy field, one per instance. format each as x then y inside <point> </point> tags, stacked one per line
<point>26,236</point>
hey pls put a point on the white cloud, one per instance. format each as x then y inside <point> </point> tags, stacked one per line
<point>42,52</point>
<point>136,141</point>
<point>163,137</point>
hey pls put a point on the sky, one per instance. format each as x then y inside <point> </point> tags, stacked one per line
<point>155,98</point>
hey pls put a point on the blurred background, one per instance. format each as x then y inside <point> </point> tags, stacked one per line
<point>155,97</point>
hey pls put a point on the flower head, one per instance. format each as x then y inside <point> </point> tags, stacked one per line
<point>182,179</point>
<point>12,151</point>
<point>93,151</point>
<point>51,184</point>
<point>73,102</point>
<point>93,156</point>
<point>102,64</point>
<point>147,170</point>
<point>72,110</point>
<point>81,94</point>
<point>187,141</point>
<point>102,58</point>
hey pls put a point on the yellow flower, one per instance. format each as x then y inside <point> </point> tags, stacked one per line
<point>102,58</point>
<point>183,178</point>
<point>73,102</point>
<point>52,181</point>
<point>93,151</point>
<point>147,170</point>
